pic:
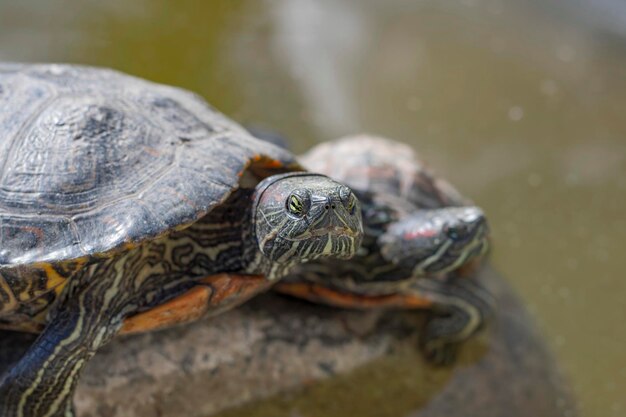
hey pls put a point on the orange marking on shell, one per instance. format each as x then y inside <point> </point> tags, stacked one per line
<point>38,232</point>
<point>152,151</point>
<point>317,293</point>
<point>128,245</point>
<point>272,163</point>
<point>255,157</point>
<point>253,160</point>
<point>179,196</point>
<point>261,161</point>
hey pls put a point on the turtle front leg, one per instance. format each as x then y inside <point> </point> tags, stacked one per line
<point>87,314</point>
<point>209,296</point>
<point>43,381</point>
<point>457,309</point>
<point>460,307</point>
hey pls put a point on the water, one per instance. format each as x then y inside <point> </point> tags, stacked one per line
<point>519,103</point>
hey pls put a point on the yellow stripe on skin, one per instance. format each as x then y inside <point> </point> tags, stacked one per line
<point>76,334</point>
<point>54,282</point>
<point>13,302</point>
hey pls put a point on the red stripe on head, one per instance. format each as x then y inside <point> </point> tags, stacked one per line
<point>414,234</point>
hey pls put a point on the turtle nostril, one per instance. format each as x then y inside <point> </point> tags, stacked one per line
<point>327,206</point>
<point>333,206</point>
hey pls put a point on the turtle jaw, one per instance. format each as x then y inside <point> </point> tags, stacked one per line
<point>328,241</point>
<point>331,242</point>
<point>330,230</point>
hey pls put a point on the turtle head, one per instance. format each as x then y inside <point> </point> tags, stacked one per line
<point>436,241</point>
<point>302,216</point>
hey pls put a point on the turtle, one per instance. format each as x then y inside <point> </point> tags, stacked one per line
<point>423,244</point>
<point>126,206</point>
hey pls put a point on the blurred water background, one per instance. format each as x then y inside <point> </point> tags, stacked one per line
<point>521,104</point>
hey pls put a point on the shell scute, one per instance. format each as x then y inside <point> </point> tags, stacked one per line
<point>79,151</point>
<point>114,225</point>
<point>25,239</point>
<point>177,201</point>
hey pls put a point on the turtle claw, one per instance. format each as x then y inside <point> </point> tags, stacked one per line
<point>440,339</point>
<point>438,353</point>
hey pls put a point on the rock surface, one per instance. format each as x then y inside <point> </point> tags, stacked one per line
<point>279,357</point>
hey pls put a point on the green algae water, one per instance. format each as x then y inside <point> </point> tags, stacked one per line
<point>519,103</point>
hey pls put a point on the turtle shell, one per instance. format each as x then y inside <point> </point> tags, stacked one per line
<point>383,168</point>
<point>93,161</point>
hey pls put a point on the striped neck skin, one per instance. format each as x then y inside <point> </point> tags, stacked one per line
<point>222,241</point>
<point>251,260</point>
<point>255,263</point>
<point>227,241</point>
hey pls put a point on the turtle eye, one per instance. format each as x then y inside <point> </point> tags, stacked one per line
<point>457,232</point>
<point>295,205</point>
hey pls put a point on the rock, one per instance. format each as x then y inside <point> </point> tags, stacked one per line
<point>280,357</point>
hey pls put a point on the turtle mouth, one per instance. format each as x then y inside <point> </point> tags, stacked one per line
<point>330,230</point>
<point>334,231</point>
<point>334,241</point>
